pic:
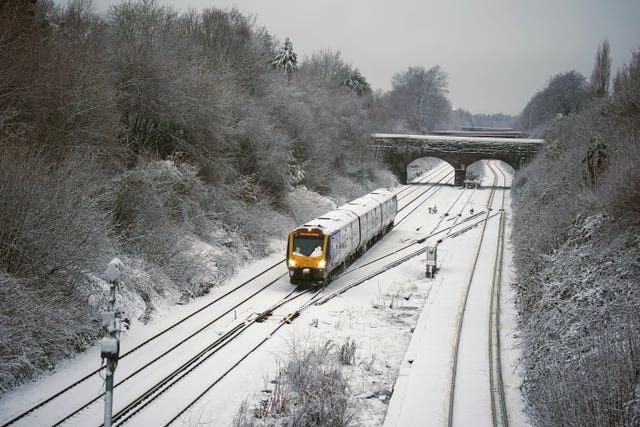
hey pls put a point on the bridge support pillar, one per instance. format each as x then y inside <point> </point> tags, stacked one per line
<point>403,176</point>
<point>460,176</point>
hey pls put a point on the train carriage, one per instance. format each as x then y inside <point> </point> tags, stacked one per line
<point>317,249</point>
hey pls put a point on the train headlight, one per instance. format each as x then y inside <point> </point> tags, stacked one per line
<point>322,263</point>
<point>292,263</point>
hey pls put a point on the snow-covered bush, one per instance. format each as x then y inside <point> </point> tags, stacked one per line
<point>40,324</point>
<point>48,225</point>
<point>310,389</point>
<point>51,235</point>
<point>162,211</point>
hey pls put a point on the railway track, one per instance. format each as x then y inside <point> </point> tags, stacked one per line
<point>175,343</point>
<point>499,415</point>
<point>463,403</point>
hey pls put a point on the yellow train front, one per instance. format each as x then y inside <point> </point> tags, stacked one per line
<point>306,255</point>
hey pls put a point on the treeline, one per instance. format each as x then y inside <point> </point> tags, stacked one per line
<point>460,118</point>
<point>181,142</point>
<point>577,241</point>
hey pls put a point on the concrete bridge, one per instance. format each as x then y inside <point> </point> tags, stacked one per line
<point>397,151</point>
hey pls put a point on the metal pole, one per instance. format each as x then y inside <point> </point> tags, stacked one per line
<point>108,397</point>
<point>110,345</point>
<point>108,393</point>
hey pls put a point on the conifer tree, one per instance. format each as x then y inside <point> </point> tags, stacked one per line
<point>286,60</point>
<point>357,83</point>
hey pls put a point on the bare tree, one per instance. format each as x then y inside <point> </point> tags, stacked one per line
<point>419,97</point>
<point>325,69</point>
<point>626,85</point>
<point>564,94</point>
<point>601,74</point>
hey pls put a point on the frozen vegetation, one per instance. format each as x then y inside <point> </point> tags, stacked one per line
<point>577,238</point>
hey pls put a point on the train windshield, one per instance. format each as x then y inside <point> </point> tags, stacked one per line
<point>307,245</point>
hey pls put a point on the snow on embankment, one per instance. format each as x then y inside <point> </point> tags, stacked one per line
<point>577,246</point>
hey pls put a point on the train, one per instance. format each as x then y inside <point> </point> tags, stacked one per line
<point>319,248</point>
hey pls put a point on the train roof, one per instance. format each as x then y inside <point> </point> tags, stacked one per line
<point>337,219</point>
<point>382,194</point>
<point>332,221</point>
<point>364,204</point>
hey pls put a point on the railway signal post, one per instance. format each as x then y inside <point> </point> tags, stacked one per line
<point>432,260</point>
<point>110,344</point>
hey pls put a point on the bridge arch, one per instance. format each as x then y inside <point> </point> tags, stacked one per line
<point>423,162</point>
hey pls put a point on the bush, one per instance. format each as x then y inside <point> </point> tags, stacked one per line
<point>310,390</point>
<point>48,222</point>
<point>41,323</point>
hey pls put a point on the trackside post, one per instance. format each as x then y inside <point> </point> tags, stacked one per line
<point>110,344</point>
<point>432,260</point>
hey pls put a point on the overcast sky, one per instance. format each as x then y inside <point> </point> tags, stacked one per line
<point>497,53</point>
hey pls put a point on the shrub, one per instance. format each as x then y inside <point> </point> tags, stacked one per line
<point>41,323</point>
<point>348,352</point>
<point>48,221</point>
<point>310,389</point>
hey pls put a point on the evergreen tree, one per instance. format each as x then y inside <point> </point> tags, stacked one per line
<point>357,83</point>
<point>286,60</point>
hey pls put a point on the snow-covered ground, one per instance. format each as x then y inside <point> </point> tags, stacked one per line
<point>402,324</point>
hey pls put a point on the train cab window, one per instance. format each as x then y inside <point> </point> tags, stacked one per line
<point>307,245</point>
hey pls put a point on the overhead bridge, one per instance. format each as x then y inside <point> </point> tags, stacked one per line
<point>459,149</point>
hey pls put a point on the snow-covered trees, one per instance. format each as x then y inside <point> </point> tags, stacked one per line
<point>326,69</point>
<point>626,84</point>
<point>286,60</point>
<point>417,100</point>
<point>564,94</point>
<point>601,74</point>
<point>357,83</point>
<point>576,236</point>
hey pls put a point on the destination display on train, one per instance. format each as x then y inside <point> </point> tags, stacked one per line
<point>309,233</point>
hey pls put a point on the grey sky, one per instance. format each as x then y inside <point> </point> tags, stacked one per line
<point>497,53</point>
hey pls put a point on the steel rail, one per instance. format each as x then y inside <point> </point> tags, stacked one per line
<point>495,361</point>
<point>436,174</point>
<point>412,185</point>
<point>286,320</point>
<point>445,177</point>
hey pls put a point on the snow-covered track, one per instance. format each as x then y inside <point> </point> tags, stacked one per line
<point>434,174</point>
<point>24,415</point>
<point>499,414</point>
<point>429,175</point>
<point>423,197</point>
<point>140,403</point>
<point>495,387</point>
